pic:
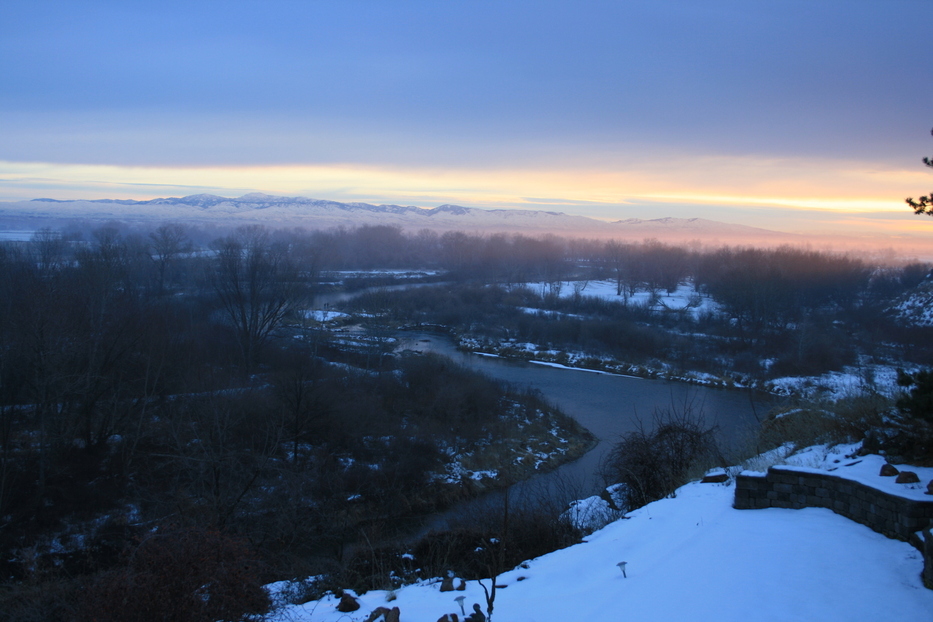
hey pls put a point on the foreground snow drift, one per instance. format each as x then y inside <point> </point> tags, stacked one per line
<point>694,558</point>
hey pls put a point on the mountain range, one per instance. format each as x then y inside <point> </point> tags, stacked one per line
<point>277,211</point>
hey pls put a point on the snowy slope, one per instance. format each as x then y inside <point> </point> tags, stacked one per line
<point>694,558</point>
<point>916,306</point>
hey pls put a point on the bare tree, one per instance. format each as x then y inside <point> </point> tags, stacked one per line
<point>257,286</point>
<point>618,259</point>
<point>48,248</point>
<point>167,242</point>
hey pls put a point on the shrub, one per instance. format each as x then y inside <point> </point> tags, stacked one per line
<point>653,463</point>
<point>918,402</point>
<point>844,421</point>
<point>183,575</point>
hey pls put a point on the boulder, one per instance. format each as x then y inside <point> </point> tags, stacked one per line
<point>715,478</point>
<point>907,477</point>
<point>347,604</point>
<point>888,470</point>
<point>447,585</point>
<point>930,487</point>
<point>477,615</point>
<point>387,615</point>
<point>449,617</point>
<point>377,612</point>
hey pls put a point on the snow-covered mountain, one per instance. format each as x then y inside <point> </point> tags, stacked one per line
<point>278,211</point>
<point>208,210</point>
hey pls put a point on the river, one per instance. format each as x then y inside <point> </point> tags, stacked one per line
<point>607,405</point>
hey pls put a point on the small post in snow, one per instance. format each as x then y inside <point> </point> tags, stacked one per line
<point>621,565</point>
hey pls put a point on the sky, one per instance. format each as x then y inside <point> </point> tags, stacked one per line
<point>808,116</point>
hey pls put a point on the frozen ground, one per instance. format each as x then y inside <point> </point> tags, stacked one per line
<point>323,315</point>
<point>683,299</point>
<point>370,274</point>
<point>834,385</point>
<point>694,557</point>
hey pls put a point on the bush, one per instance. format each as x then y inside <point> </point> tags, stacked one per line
<point>845,421</point>
<point>654,463</point>
<point>51,600</point>
<point>183,575</point>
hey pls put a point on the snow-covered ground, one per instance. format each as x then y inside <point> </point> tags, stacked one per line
<point>325,315</point>
<point>693,557</point>
<point>684,298</point>
<point>836,385</point>
<point>370,274</point>
<point>916,306</point>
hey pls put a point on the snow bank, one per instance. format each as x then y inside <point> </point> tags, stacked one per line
<point>694,558</point>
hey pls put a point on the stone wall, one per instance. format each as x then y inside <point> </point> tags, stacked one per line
<point>891,515</point>
<point>785,487</point>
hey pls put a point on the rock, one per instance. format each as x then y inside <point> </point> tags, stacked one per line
<point>377,612</point>
<point>888,471</point>
<point>716,478</point>
<point>930,487</point>
<point>477,615</point>
<point>462,586</point>
<point>449,617</point>
<point>388,615</point>
<point>907,477</point>
<point>447,585</point>
<point>347,604</point>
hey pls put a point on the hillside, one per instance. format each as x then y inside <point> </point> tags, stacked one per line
<point>693,557</point>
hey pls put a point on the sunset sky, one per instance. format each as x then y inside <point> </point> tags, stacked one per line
<point>808,116</point>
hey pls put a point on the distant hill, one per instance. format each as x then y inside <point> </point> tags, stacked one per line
<point>276,211</point>
<point>916,306</point>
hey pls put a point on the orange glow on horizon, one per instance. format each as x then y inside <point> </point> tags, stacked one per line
<point>833,191</point>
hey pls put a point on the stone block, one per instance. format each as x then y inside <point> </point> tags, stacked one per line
<point>778,477</point>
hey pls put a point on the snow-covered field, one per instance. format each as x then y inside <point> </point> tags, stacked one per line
<point>684,298</point>
<point>836,385</point>
<point>693,557</point>
<point>370,274</point>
